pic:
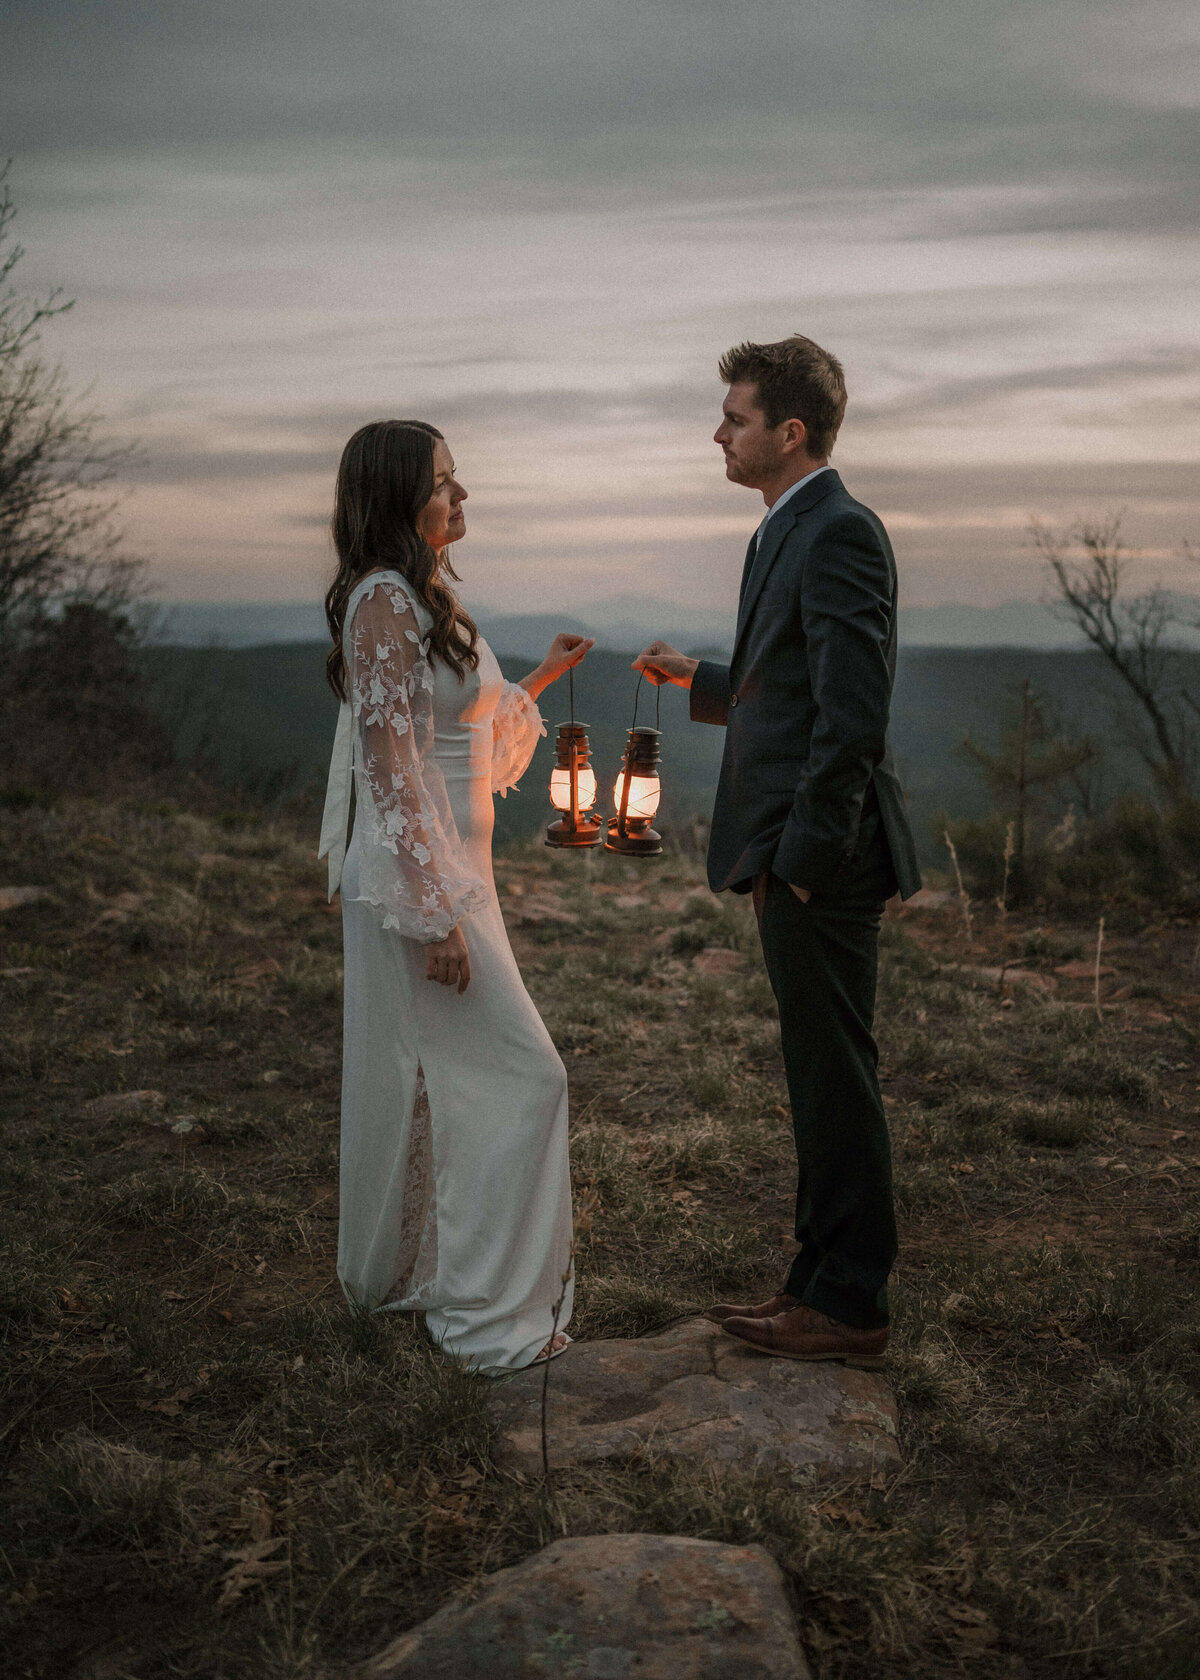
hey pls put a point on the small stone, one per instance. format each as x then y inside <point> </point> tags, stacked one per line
<point>541,912</point>
<point>120,1104</point>
<point>14,898</point>
<point>272,1076</point>
<point>929,898</point>
<point>694,1392</point>
<point>612,1607</point>
<point>718,960</point>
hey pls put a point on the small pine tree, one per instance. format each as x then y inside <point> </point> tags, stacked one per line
<point>1031,765</point>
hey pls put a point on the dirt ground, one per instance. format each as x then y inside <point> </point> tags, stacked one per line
<point>213,1469</point>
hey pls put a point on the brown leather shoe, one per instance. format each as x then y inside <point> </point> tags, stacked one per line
<point>780,1303</point>
<point>804,1333</point>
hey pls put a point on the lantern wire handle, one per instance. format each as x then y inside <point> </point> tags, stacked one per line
<point>571,681</point>
<point>657,702</point>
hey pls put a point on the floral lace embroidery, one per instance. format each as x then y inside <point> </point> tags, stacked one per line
<point>516,728</point>
<point>413,866</point>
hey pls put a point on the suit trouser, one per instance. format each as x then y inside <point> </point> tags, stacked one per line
<point>822,959</point>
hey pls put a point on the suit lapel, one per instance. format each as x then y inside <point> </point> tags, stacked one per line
<point>751,552</point>
<point>759,567</point>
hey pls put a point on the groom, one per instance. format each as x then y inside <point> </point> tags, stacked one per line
<point>810,818</point>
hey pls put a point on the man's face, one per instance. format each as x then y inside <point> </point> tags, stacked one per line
<point>754,452</point>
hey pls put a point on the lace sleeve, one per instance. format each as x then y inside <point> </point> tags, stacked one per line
<point>413,869</point>
<point>516,728</point>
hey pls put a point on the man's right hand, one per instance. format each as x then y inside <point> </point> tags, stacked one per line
<point>664,664</point>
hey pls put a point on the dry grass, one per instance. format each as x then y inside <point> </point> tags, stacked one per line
<point>212,1468</point>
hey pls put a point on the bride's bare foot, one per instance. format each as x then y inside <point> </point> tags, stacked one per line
<point>556,1345</point>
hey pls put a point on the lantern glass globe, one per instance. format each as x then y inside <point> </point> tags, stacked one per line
<point>644,794</point>
<point>560,789</point>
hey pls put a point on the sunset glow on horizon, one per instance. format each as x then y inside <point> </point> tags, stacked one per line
<point>538,227</point>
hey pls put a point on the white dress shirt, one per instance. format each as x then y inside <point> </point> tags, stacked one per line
<point>789,492</point>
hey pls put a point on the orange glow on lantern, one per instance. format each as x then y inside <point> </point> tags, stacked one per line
<point>644,792</point>
<point>560,789</point>
<point>635,795</point>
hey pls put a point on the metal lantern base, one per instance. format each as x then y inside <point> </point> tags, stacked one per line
<point>586,832</point>
<point>642,842</point>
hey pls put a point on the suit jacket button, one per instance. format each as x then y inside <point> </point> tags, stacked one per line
<point>733,699</point>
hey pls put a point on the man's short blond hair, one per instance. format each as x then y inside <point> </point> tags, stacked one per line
<point>796,380</point>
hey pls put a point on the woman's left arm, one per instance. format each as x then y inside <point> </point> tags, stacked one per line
<point>565,650</point>
<point>517,724</point>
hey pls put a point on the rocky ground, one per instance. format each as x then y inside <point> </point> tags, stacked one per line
<point>212,1469</point>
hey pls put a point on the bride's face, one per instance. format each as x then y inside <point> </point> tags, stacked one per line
<point>441,520</point>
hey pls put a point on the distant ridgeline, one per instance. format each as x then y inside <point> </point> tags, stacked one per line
<point>624,622</point>
<point>264,719</point>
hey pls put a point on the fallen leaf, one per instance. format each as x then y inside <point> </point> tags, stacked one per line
<point>171,1406</point>
<point>71,1302</point>
<point>249,1569</point>
<point>974,1628</point>
<point>837,1510</point>
<point>252,973</point>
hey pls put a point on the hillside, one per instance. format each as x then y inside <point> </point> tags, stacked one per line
<point>269,718</point>
<point>211,1468</point>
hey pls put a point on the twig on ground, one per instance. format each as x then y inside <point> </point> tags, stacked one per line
<point>558,1307</point>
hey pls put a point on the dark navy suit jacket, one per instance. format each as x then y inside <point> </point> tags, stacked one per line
<point>805,700</point>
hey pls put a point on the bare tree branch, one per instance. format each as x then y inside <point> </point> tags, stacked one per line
<point>1134,634</point>
<point>58,539</point>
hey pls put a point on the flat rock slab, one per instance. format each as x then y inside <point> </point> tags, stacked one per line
<point>612,1607</point>
<point>694,1392</point>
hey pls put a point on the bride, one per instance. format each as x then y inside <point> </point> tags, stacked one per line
<point>455,1194</point>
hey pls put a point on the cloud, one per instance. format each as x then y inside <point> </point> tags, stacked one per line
<point>538,224</point>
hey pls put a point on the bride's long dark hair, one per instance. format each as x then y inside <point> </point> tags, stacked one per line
<point>384,480</point>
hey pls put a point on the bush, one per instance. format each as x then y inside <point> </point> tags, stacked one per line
<point>1136,850</point>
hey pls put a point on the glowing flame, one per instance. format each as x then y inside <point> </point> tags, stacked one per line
<point>560,789</point>
<point>643,795</point>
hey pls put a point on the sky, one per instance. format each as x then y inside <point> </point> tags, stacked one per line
<point>538,225</point>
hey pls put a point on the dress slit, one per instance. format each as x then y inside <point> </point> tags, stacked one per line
<point>416,1254</point>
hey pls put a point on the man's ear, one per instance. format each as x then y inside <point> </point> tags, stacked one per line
<point>794,437</point>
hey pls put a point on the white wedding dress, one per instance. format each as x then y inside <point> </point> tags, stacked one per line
<point>455,1191</point>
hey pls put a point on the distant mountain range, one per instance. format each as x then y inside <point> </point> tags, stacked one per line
<point>622,624</point>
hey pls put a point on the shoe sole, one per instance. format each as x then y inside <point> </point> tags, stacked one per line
<point>855,1361</point>
<point>718,1314</point>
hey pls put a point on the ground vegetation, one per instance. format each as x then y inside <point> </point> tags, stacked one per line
<point>211,1467</point>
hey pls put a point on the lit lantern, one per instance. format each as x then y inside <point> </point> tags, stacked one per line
<point>636,793</point>
<point>573,787</point>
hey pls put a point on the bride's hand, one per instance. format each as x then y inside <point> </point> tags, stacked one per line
<point>565,650</point>
<point>448,961</point>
